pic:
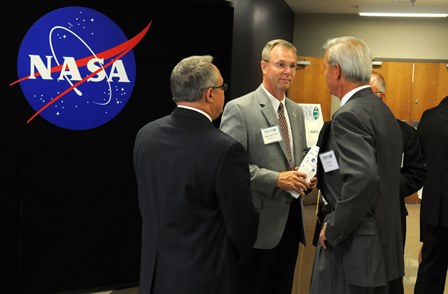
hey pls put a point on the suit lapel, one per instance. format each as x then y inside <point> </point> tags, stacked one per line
<point>266,108</point>
<point>271,116</point>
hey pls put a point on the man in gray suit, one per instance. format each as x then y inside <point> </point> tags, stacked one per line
<point>360,244</point>
<point>276,183</point>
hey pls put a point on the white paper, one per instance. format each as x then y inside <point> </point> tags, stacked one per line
<point>308,165</point>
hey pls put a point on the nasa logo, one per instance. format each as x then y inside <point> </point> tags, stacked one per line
<point>76,68</point>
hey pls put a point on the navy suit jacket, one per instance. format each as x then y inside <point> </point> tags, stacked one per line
<point>194,197</point>
<point>433,134</point>
<point>413,171</point>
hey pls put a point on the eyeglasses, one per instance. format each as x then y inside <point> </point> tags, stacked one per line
<point>224,87</point>
<point>282,65</point>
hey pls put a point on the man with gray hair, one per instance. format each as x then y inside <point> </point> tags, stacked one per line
<point>360,243</point>
<point>194,196</point>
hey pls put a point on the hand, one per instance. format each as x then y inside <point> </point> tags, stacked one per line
<point>322,238</point>
<point>293,181</point>
<point>313,183</point>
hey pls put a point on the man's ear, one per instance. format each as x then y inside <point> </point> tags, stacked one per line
<point>209,94</point>
<point>338,70</point>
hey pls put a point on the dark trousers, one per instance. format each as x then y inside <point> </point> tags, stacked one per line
<point>362,290</point>
<point>271,271</point>
<point>403,229</point>
<point>396,286</point>
<point>432,270</point>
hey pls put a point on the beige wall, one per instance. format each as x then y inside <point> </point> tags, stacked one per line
<point>397,38</point>
<point>389,38</point>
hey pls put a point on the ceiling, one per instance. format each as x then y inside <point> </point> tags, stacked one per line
<point>351,6</point>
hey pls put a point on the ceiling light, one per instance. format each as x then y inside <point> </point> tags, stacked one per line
<point>403,11</point>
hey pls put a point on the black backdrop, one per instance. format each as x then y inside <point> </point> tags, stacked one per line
<point>71,195</point>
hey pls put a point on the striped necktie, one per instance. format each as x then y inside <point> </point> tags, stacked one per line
<point>284,130</point>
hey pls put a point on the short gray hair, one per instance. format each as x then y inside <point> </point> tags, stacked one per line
<point>266,53</point>
<point>353,56</point>
<point>191,76</point>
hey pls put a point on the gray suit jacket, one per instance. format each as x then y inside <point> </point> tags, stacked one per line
<point>243,119</point>
<point>364,229</point>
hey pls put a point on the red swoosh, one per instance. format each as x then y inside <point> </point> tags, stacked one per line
<point>119,51</point>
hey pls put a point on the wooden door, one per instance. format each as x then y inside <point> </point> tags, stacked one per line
<point>429,87</point>
<point>398,77</point>
<point>309,85</point>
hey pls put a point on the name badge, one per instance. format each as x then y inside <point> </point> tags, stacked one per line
<point>271,135</point>
<point>329,162</point>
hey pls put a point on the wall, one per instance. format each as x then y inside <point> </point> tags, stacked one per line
<point>70,196</point>
<point>400,38</point>
<point>256,22</point>
<point>409,39</point>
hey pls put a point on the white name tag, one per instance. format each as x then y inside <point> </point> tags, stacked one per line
<point>271,135</point>
<point>329,161</point>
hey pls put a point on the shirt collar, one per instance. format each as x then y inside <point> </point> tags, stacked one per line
<point>274,101</point>
<point>350,94</point>
<point>197,110</point>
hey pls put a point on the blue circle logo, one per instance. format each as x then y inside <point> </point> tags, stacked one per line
<point>76,68</point>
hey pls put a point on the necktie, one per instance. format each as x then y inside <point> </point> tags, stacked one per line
<point>284,130</point>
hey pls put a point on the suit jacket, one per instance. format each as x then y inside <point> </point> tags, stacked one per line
<point>433,134</point>
<point>412,176</point>
<point>198,220</point>
<point>364,228</point>
<point>243,119</point>
<point>413,170</point>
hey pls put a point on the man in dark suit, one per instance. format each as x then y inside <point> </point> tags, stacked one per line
<point>276,183</point>
<point>360,243</point>
<point>413,169</point>
<point>433,134</point>
<point>193,181</point>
